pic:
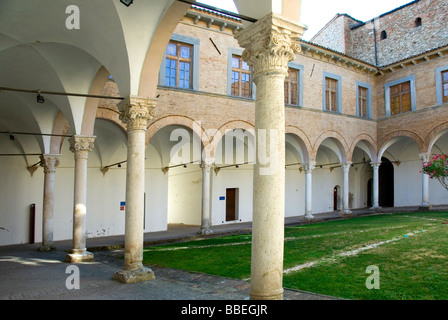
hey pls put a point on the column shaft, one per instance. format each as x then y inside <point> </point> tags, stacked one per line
<point>308,190</point>
<point>206,166</point>
<point>345,187</point>
<point>425,184</point>
<point>269,46</point>
<point>80,146</point>
<point>376,184</point>
<point>49,163</point>
<point>135,112</point>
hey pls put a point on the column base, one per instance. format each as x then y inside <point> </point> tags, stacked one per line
<point>425,207</point>
<point>133,276</point>
<point>205,231</point>
<point>277,296</point>
<point>346,213</point>
<point>47,248</point>
<point>309,217</point>
<point>79,256</point>
<point>375,208</point>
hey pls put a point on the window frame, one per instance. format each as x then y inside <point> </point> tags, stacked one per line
<point>300,69</point>
<point>190,41</point>
<point>338,79</point>
<point>237,52</point>
<point>439,84</point>
<point>368,87</point>
<point>387,87</point>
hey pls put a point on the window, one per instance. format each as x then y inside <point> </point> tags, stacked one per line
<point>331,94</point>
<point>442,85</point>
<point>241,78</point>
<point>364,98</point>
<point>383,35</point>
<point>445,86</point>
<point>362,101</point>
<point>178,65</point>
<point>418,22</point>
<point>292,87</point>
<point>400,98</point>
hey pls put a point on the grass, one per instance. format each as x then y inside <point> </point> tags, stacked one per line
<point>409,249</point>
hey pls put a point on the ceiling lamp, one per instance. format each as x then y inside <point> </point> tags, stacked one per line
<point>127,3</point>
<point>39,98</point>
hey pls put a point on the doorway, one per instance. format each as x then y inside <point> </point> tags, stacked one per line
<point>386,183</point>
<point>336,198</point>
<point>232,204</point>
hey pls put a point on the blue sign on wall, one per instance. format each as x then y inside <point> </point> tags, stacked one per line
<point>222,198</point>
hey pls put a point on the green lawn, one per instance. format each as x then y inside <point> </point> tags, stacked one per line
<point>410,251</point>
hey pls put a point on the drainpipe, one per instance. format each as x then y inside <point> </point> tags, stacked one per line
<point>374,39</point>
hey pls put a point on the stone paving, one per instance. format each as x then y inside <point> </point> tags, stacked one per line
<point>27,274</point>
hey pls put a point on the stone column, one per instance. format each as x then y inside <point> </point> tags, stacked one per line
<point>269,45</point>
<point>376,185</point>
<point>425,184</point>
<point>135,112</point>
<point>206,166</point>
<point>308,168</point>
<point>49,162</point>
<point>345,188</point>
<point>80,146</point>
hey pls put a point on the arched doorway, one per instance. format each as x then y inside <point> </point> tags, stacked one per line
<point>337,198</point>
<point>386,183</point>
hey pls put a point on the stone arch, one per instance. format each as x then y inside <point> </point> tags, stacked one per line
<point>91,106</point>
<point>60,129</point>
<point>190,123</point>
<point>368,145</point>
<point>434,135</point>
<point>339,141</point>
<point>219,133</point>
<point>392,137</point>
<point>303,141</point>
<point>150,71</point>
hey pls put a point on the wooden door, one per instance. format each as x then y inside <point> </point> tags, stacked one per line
<point>230,204</point>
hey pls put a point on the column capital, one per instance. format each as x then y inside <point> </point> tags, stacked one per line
<point>424,156</point>
<point>346,165</point>
<point>50,161</point>
<point>308,167</point>
<point>375,164</point>
<point>81,145</point>
<point>270,44</point>
<point>136,112</point>
<point>207,163</point>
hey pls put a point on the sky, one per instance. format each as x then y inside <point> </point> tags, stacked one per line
<point>317,13</point>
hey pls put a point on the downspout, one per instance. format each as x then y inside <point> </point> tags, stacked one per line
<point>375,45</point>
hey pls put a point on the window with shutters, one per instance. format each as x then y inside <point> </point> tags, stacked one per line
<point>292,87</point>
<point>400,98</point>
<point>331,94</point>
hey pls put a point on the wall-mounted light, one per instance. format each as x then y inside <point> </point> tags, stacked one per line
<point>127,3</point>
<point>39,98</point>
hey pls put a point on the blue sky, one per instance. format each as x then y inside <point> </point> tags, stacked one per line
<point>316,13</point>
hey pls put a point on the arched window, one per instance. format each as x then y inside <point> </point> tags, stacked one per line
<point>418,22</point>
<point>383,35</point>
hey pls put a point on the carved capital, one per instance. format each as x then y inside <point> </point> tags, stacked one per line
<point>346,166</point>
<point>308,167</point>
<point>136,112</point>
<point>270,44</point>
<point>208,163</point>
<point>375,164</point>
<point>424,156</point>
<point>49,162</point>
<point>81,145</point>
